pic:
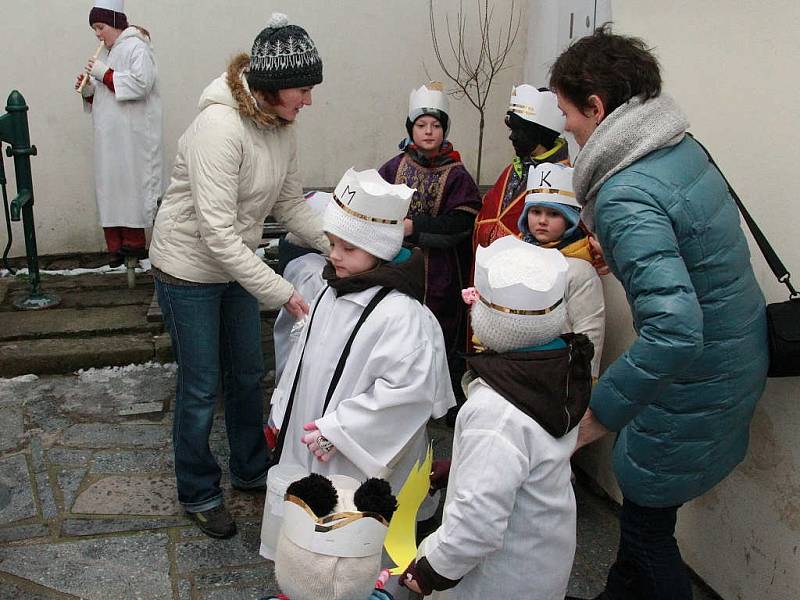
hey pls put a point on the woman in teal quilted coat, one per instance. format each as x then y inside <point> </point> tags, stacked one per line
<point>682,396</point>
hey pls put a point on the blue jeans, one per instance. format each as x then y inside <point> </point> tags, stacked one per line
<point>649,564</point>
<point>216,334</point>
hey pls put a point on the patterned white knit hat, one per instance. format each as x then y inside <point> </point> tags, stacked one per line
<point>284,56</point>
<point>368,212</point>
<point>521,294</point>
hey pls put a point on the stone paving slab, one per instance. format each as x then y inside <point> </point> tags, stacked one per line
<point>16,496</point>
<point>207,554</point>
<point>23,532</point>
<point>95,527</point>
<point>10,591</point>
<point>47,500</point>
<point>127,461</point>
<point>104,435</point>
<point>247,593</point>
<point>69,481</point>
<point>121,495</point>
<point>121,567</point>
<point>69,457</point>
<point>12,428</point>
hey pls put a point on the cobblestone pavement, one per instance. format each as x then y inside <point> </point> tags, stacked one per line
<point>88,506</point>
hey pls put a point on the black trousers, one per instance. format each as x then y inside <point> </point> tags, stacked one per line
<point>649,564</point>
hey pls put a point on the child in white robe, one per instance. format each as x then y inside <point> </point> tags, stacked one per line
<point>508,529</point>
<point>551,219</point>
<point>369,419</point>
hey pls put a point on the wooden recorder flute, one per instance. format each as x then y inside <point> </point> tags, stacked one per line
<point>86,75</point>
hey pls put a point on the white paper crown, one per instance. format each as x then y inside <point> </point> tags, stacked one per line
<point>515,277</point>
<point>367,196</point>
<point>551,183</point>
<point>349,533</point>
<point>431,95</point>
<point>115,5</point>
<point>537,107</point>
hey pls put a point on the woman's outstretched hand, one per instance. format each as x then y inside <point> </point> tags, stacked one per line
<point>296,306</point>
<point>589,430</point>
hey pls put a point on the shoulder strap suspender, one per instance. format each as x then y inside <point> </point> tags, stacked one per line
<point>337,374</point>
<point>276,453</point>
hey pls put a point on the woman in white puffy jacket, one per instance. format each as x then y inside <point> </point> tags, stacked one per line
<point>236,164</point>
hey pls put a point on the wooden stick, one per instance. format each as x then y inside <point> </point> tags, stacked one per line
<point>86,75</point>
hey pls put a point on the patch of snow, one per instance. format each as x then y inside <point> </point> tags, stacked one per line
<point>104,374</point>
<point>30,377</point>
<point>144,267</point>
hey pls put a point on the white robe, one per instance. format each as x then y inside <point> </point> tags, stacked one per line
<point>586,309</point>
<point>394,381</point>
<point>127,135</point>
<point>305,274</point>
<point>509,517</point>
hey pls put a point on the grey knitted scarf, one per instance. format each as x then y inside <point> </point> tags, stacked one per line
<point>632,131</point>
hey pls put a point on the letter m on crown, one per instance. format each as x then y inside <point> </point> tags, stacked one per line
<point>348,195</point>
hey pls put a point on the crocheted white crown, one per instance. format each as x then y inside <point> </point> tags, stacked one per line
<point>428,96</point>
<point>515,277</point>
<point>537,107</point>
<point>551,183</point>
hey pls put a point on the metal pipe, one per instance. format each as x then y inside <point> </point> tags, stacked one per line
<point>8,218</point>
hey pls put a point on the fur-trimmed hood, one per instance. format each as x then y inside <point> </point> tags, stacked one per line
<point>231,89</point>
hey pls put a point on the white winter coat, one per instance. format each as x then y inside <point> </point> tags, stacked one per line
<point>128,165</point>
<point>586,309</point>
<point>394,381</point>
<point>235,166</point>
<point>509,518</point>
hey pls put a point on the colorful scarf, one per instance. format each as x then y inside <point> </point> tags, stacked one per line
<point>444,156</point>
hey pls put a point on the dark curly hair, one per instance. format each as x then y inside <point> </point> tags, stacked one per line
<point>614,67</point>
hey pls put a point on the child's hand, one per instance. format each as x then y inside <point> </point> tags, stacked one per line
<point>317,443</point>
<point>271,435</point>
<point>408,579</point>
<point>440,471</point>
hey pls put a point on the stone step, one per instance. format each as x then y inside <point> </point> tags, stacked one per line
<point>72,322</point>
<point>59,283</point>
<point>65,355</point>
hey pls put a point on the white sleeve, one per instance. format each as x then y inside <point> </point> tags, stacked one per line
<point>480,501</point>
<point>586,306</point>
<point>136,79</point>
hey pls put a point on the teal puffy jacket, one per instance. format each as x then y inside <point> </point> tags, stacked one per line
<point>682,396</point>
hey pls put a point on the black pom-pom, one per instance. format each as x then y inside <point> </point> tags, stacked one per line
<point>317,492</point>
<point>375,495</point>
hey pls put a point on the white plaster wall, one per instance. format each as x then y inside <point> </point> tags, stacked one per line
<point>373,53</point>
<point>732,66</point>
